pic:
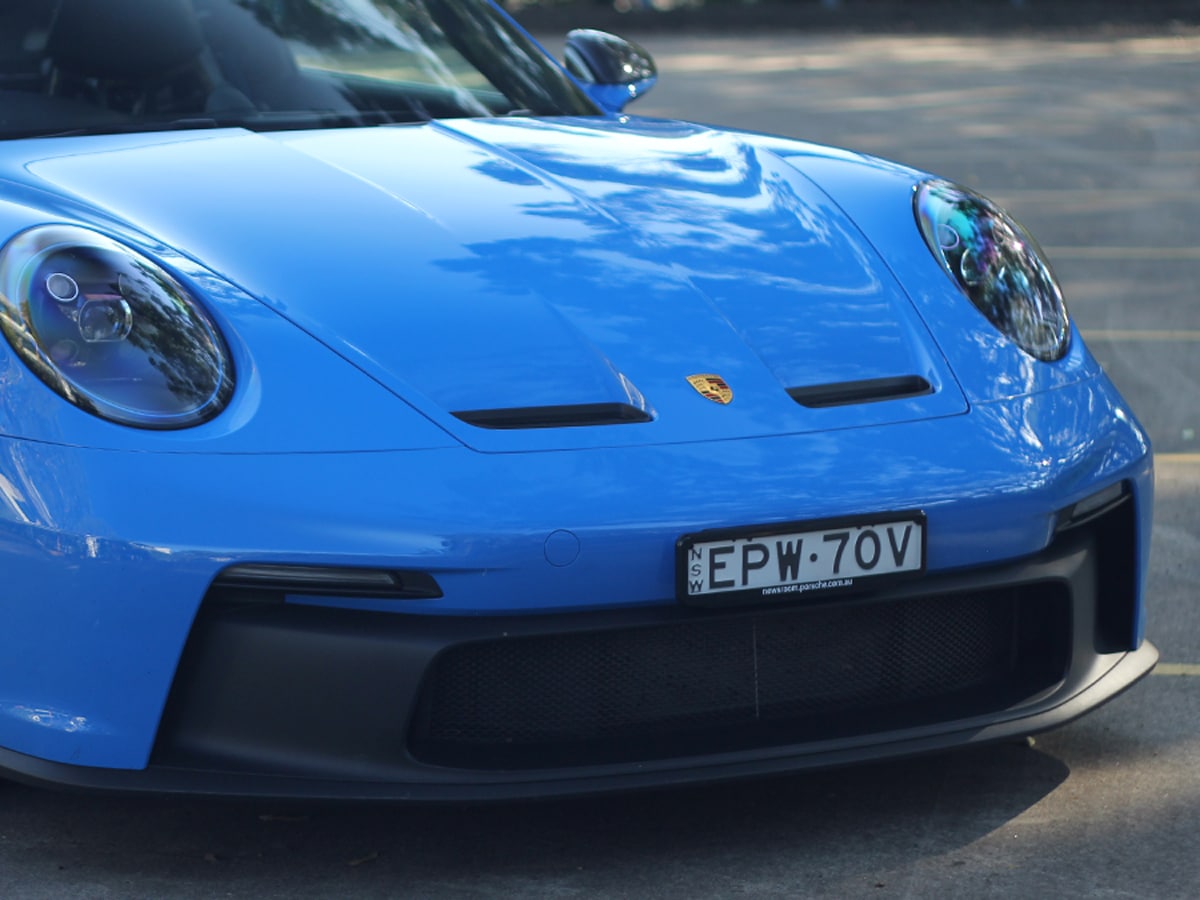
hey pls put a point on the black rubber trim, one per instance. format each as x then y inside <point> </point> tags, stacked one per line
<point>571,416</point>
<point>871,390</point>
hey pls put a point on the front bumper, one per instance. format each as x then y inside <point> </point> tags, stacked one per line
<point>110,561</point>
<point>280,699</point>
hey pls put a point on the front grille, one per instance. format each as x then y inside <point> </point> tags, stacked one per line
<point>715,683</point>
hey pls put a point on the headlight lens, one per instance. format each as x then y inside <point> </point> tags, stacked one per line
<point>997,264</point>
<point>110,330</point>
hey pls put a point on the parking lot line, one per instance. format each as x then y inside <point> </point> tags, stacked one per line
<point>1186,669</point>
<point>1124,253</point>
<point>1135,334</point>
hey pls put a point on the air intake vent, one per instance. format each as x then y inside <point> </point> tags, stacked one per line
<point>573,416</point>
<point>715,684</point>
<point>873,390</point>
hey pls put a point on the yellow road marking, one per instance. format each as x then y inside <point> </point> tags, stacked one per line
<point>1120,253</point>
<point>1150,334</point>
<point>1185,459</point>
<point>1177,669</point>
<point>1059,195</point>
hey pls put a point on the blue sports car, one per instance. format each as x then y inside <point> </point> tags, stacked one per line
<point>384,413</point>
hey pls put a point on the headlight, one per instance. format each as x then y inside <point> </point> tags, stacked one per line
<point>110,330</point>
<point>996,263</point>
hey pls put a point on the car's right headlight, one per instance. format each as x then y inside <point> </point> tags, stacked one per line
<point>997,264</point>
<point>110,330</point>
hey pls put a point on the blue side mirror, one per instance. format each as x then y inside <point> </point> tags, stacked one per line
<point>612,70</point>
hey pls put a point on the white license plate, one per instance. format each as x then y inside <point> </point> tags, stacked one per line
<point>781,562</point>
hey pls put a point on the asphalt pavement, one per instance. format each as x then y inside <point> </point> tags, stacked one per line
<point>1093,139</point>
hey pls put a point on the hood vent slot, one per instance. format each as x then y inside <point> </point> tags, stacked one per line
<point>873,390</point>
<point>571,416</point>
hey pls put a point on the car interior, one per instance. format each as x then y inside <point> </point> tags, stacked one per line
<point>75,66</point>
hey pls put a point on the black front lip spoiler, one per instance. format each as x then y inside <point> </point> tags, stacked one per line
<point>1125,670</point>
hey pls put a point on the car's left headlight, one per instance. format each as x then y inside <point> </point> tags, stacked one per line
<point>997,264</point>
<point>111,330</point>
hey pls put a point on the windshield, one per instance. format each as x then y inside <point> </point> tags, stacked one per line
<point>95,66</point>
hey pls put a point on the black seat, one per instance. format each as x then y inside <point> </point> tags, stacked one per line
<point>130,40</point>
<point>258,63</point>
<point>130,56</point>
<point>179,58</point>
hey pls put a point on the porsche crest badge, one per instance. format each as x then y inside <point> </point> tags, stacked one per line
<point>713,387</point>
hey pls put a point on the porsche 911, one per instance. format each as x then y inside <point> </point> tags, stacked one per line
<point>385,413</point>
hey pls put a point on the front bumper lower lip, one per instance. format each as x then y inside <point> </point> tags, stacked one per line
<point>1127,669</point>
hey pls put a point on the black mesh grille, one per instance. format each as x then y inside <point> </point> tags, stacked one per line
<point>732,682</point>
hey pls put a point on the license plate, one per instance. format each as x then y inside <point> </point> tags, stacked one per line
<point>798,559</point>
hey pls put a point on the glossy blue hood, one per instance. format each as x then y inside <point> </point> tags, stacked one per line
<point>506,264</point>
